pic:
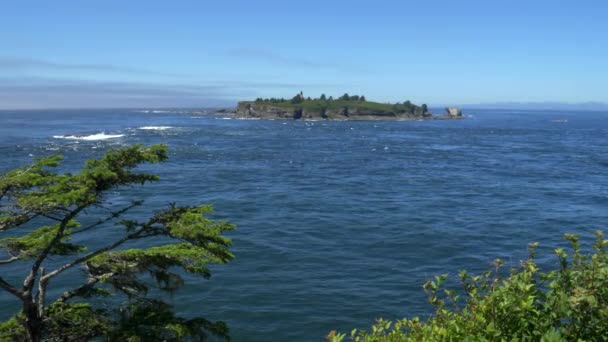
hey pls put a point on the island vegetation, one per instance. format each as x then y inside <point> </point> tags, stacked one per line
<point>345,107</point>
<point>348,101</point>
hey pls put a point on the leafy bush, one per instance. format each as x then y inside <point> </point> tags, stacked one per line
<point>568,303</point>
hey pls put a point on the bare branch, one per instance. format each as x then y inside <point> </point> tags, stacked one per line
<point>112,216</point>
<point>51,217</point>
<point>10,288</point>
<point>8,261</point>
<point>41,292</point>
<point>91,282</point>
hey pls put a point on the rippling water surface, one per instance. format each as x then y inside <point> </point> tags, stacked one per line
<point>342,222</point>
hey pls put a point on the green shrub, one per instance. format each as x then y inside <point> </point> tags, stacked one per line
<point>568,303</point>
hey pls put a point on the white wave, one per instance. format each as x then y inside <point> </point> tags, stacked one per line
<point>92,137</point>
<point>155,128</point>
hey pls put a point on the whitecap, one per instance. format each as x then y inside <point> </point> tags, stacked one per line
<point>155,128</point>
<point>96,136</point>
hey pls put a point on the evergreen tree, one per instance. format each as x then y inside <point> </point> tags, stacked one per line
<point>362,98</point>
<point>45,209</point>
<point>297,99</point>
<point>322,98</point>
<point>345,97</point>
<point>425,108</point>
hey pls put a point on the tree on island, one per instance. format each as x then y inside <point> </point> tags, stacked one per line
<point>297,99</point>
<point>46,209</point>
<point>362,98</point>
<point>425,108</point>
<point>322,98</point>
<point>345,97</point>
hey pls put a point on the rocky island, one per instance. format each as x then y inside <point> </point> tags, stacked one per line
<point>345,107</point>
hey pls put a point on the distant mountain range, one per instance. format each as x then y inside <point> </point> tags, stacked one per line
<point>591,106</point>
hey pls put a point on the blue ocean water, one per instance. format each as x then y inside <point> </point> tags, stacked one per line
<point>342,222</point>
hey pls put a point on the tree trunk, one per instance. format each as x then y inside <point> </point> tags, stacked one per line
<point>33,321</point>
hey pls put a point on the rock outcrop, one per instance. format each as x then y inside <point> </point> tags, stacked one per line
<point>254,110</point>
<point>453,111</point>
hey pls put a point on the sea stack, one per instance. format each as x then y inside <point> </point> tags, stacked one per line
<point>453,111</point>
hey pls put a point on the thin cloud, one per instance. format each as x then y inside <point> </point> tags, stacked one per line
<point>22,63</point>
<point>22,93</point>
<point>273,58</point>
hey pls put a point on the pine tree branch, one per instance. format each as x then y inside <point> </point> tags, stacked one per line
<point>10,288</point>
<point>17,220</point>
<point>29,281</point>
<point>135,235</point>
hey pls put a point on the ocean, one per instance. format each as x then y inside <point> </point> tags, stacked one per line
<point>340,223</point>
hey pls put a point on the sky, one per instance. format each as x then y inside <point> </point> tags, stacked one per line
<point>80,54</point>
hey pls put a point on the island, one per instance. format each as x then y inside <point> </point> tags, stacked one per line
<point>345,107</point>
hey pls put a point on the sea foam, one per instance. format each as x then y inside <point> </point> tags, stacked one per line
<point>155,128</point>
<point>92,137</point>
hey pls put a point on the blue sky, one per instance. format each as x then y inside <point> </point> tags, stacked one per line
<point>206,53</point>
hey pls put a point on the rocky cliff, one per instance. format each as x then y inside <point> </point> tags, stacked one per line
<point>256,110</point>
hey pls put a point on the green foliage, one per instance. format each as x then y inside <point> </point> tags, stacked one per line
<point>75,322</point>
<point>32,244</point>
<point>569,303</point>
<point>323,104</point>
<point>139,320</point>
<point>156,321</point>
<point>12,330</point>
<point>182,239</point>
